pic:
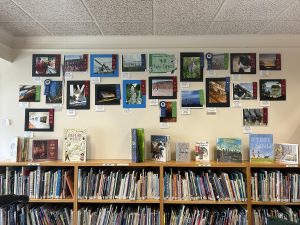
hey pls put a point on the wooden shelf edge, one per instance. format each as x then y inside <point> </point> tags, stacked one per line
<point>125,201</point>
<point>41,200</point>
<point>274,203</point>
<point>204,202</point>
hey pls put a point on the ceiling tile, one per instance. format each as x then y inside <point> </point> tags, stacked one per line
<point>182,28</point>
<point>166,10</point>
<point>72,28</point>
<point>233,10</point>
<point>127,28</point>
<point>11,13</point>
<point>121,10</point>
<point>236,27</point>
<point>24,29</point>
<point>292,13</point>
<point>282,27</point>
<point>56,10</point>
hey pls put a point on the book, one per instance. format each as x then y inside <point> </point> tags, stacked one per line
<point>261,148</point>
<point>286,153</point>
<point>138,145</point>
<point>202,151</point>
<point>160,148</point>
<point>229,150</point>
<point>44,150</point>
<point>22,149</point>
<point>74,146</point>
<point>69,176</point>
<point>183,152</point>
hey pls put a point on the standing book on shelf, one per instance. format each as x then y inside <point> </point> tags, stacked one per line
<point>74,147</point>
<point>160,148</point>
<point>202,151</point>
<point>229,150</point>
<point>183,152</point>
<point>138,145</point>
<point>261,148</point>
<point>286,153</point>
<point>44,150</point>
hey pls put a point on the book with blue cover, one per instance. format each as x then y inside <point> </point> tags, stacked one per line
<point>137,145</point>
<point>261,148</point>
<point>229,150</point>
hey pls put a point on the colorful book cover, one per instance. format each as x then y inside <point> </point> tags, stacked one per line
<point>261,148</point>
<point>229,150</point>
<point>269,61</point>
<point>160,148</point>
<point>286,153</point>
<point>53,92</point>
<point>134,63</point>
<point>168,111</point>
<point>217,61</point>
<point>202,151</point>
<point>245,91</point>
<point>74,146</point>
<point>137,145</point>
<point>162,63</point>
<point>183,153</point>
<point>192,99</point>
<point>134,94</point>
<point>29,93</point>
<point>44,150</point>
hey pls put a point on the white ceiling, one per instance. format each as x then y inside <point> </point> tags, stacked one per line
<point>23,18</point>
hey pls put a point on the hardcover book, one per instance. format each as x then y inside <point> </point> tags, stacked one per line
<point>286,153</point>
<point>229,150</point>
<point>138,145</point>
<point>261,148</point>
<point>44,150</point>
<point>160,148</point>
<point>183,152</point>
<point>74,147</point>
<point>202,151</point>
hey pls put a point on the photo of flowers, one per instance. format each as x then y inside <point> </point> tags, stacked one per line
<point>134,93</point>
<point>191,66</point>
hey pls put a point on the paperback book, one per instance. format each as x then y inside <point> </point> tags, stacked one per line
<point>183,152</point>
<point>44,150</point>
<point>261,148</point>
<point>160,148</point>
<point>138,145</point>
<point>202,151</point>
<point>229,150</point>
<point>286,153</point>
<point>74,147</point>
<point>18,150</point>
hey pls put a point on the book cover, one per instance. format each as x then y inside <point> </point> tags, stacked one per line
<point>13,150</point>
<point>261,148</point>
<point>23,148</point>
<point>137,145</point>
<point>74,147</point>
<point>44,150</point>
<point>229,150</point>
<point>160,148</point>
<point>183,152</point>
<point>286,153</point>
<point>202,151</point>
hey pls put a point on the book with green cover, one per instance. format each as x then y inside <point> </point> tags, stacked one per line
<point>138,145</point>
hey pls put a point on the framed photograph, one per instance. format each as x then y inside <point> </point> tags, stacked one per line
<point>134,93</point>
<point>53,92</point>
<point>104,65</point>
<point>134,63</point>
<point>191,66</point>
<point>270,61</point>
<point>29,93</point>
<point>39,119</point>
<point>192,98</point>
<point>218,92</point>
<point>78,94</point>
<point>217,61</point>
<point>272,89</point>
<point>76,63</point>
<point>162,63</point>
<point>243,63</point>
<point>255,117</point>
<point>245,91</point>
<point>107,94</point>
<point>45,65</point>
<point>168,111</point>
<point>163,87</point>
<point>44,150</point>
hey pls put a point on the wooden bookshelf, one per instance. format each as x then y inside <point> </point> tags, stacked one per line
<point>245,167</point>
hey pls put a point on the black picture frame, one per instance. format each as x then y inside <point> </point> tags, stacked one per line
<point>46,65</point>
<point>243,63</point>
<point>191,62</point>
<point>39,120</point>
<point>217,92</point>
<point>272,89</point>
<point>80,99</point>
<point>107,94</point>
<point>158,83</point>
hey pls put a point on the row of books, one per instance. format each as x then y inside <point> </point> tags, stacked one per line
<point>261,215</point>
<point>204,185</point>
<point>274,185</point>
<point>117,184</point>
<point>188,215</point>
<point>37,183</point>
<point>39,215</point>
<point>119,215</point>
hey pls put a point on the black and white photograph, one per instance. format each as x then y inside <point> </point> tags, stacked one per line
<point>78,94</point>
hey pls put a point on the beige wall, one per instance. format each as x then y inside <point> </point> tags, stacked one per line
<point>109,131</point>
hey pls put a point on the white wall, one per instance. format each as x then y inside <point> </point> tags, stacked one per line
<point>109,131</point>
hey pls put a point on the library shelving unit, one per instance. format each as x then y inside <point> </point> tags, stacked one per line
<point>76,203</point>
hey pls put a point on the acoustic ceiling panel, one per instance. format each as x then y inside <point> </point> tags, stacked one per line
<point>126,28</point>
<point>72,28</point>
<point>182,28</point>
<point>20,29</point>
<point>11,13</point>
